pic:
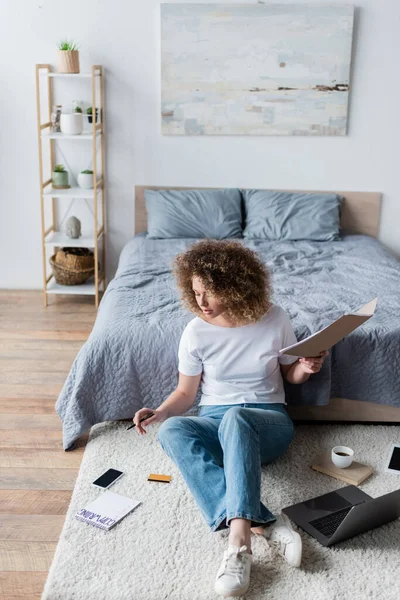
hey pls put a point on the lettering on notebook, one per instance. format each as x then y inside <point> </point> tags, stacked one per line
<point>87,514</point>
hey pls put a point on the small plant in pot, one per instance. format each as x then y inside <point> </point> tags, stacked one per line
<point>60,177</point>
<point>89,112</point>
<point>85,179</point>
<point>71,123</point>
<point>68,57</point>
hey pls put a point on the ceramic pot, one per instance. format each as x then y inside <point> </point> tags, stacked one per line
<point>60,178</point>
<point>68,61</point>
<point>71,123</point>
<point>90,117</point>
<point>85,180</point>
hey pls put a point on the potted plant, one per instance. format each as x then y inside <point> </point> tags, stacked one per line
<point>60,177</point>
<point>67,57</point>
<point>76,106</point>
<point>85,179</point>
<point>71,123</point>
<point>89,112</point>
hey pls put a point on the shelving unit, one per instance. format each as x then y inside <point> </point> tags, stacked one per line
<point>51,237</point>
<point>65,136</point>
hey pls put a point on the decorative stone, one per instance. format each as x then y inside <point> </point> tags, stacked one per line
<point>73,227</point>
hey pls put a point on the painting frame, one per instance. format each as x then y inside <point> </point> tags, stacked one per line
<point>255,69</point>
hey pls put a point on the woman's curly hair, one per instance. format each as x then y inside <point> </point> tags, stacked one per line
<point>234,274</point>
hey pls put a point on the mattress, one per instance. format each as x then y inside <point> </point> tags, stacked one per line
<point>130,358</point>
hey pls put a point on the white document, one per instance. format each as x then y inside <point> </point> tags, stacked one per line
<point>332,334</point>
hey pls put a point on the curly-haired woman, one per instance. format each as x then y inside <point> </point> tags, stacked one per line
<point>232,348</point>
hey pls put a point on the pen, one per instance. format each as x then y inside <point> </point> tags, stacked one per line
<point>143,419</point>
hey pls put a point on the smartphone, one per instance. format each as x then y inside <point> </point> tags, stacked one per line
<point>107,479</point>
<point>393,461</point>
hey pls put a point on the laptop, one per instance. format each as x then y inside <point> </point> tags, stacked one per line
<point>342,514</point>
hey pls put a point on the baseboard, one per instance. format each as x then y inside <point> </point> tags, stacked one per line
<point>342,409</point>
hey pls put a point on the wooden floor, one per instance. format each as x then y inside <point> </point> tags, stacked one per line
<point>37,348</point>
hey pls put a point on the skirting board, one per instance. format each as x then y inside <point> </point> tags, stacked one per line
<point>341,409</point>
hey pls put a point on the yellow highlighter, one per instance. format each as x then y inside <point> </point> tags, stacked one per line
<point>160,478</point>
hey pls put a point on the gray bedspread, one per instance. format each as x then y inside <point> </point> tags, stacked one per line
<point>130,357</point>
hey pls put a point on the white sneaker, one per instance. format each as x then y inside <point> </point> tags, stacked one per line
<point>287,541</point>
<point>233,577</point>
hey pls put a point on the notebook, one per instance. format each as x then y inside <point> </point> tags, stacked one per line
<point>106,510</point>
<point>355,474</point>
<point>333,333</point>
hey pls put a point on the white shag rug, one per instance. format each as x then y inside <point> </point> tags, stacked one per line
<point>165,550</point>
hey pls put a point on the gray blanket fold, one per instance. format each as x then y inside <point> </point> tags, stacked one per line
<point>130,357</point>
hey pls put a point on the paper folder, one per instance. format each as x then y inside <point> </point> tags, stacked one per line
<point>333,333</point>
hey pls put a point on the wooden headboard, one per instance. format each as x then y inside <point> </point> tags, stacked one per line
<point>360,210</point>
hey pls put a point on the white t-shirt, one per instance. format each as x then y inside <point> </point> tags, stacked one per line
<point>238,364</point>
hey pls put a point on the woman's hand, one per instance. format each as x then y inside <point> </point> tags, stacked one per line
<point>313,364</point>
<point>158,416</point>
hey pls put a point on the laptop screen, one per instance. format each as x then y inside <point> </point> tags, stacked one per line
<point>328,502</point>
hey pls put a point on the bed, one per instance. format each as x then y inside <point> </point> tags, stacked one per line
<point>130,357</point>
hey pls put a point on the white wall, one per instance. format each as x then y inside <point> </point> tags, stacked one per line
<point>123,36</point>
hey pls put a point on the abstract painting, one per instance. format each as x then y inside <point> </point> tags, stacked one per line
<point>255,69</point>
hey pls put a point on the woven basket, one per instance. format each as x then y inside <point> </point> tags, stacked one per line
<point>75,258</point>
<point>70,276</point>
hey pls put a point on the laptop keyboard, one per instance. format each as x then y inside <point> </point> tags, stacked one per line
<point>328,524</point>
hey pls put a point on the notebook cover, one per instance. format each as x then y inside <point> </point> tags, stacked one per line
<point>355,474</point>
<point>106,510</point>
<point>159,477</point>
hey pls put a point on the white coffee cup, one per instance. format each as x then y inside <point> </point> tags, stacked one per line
<point>342,456</point>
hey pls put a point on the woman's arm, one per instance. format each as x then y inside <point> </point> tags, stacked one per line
<point>183,397</point>
<point>176,404</point>
<point>300,371</point>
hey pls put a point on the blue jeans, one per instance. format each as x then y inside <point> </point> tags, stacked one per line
<point>220,452</point>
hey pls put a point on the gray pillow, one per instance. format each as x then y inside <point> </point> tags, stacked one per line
<point>274,215</point>
<point>194,213</point>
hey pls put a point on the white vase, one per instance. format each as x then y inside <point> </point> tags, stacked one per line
<point>71,123</point>
<point>85,181</point>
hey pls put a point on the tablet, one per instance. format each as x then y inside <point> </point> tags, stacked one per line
<point>393,463</point>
